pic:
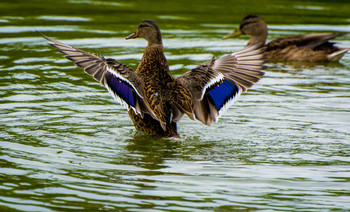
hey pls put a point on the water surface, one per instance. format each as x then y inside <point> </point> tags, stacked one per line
<point>66,145</point>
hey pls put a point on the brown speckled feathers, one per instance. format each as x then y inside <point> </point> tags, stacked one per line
<point>311,47</point>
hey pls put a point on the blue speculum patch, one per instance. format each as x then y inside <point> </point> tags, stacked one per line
<point>122,89</point>
<point>222,93</point>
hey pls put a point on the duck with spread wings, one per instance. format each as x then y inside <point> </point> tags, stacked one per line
<point>155,99</point>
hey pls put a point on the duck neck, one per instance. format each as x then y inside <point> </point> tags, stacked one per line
<point>153,61</point>
<point>258,38</point>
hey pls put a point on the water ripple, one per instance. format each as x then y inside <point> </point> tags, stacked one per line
<point>67,145</point>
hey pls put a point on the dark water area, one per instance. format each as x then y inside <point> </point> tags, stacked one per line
<point>65,144</point>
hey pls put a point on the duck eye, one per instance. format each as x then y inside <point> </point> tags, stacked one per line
<point>143,25</point>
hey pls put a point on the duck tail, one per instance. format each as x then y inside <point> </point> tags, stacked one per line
<point>336,56</point>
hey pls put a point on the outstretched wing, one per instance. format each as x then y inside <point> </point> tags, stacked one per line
<point>216,85</point>
<point>120,80</point>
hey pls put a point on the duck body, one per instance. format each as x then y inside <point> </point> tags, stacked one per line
<point>310,47</point>
<point>158,85</point>
<point>156,79</point>
<point>155,99</point>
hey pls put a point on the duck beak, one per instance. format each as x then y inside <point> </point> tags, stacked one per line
<point>233,34</point>
<point>132,36</point>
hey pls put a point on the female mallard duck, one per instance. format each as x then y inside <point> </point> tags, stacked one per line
<point>156,101</point>
<point>312,47</point>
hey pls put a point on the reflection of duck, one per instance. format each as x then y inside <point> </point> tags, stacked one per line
<point>157,101</point>
<point>150,153</point>
<point>311,47</point>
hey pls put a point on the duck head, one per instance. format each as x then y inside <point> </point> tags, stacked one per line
<point>252,25</point>
<point>148,30</point>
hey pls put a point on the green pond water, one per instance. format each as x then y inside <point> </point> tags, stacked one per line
<point>66,145</point>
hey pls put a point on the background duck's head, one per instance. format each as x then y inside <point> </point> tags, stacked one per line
<point>251,25</point>
<point>148,30</point>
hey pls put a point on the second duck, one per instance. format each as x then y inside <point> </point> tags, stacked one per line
<point>311,47</point>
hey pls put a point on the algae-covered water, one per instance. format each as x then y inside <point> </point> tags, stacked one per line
<point>66,145</point>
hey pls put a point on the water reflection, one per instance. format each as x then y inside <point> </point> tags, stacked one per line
<point>150,153</point>
<point>300,65</point>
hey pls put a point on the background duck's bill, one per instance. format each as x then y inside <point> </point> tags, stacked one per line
<point>233,34</point>
<point>133,35</point>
